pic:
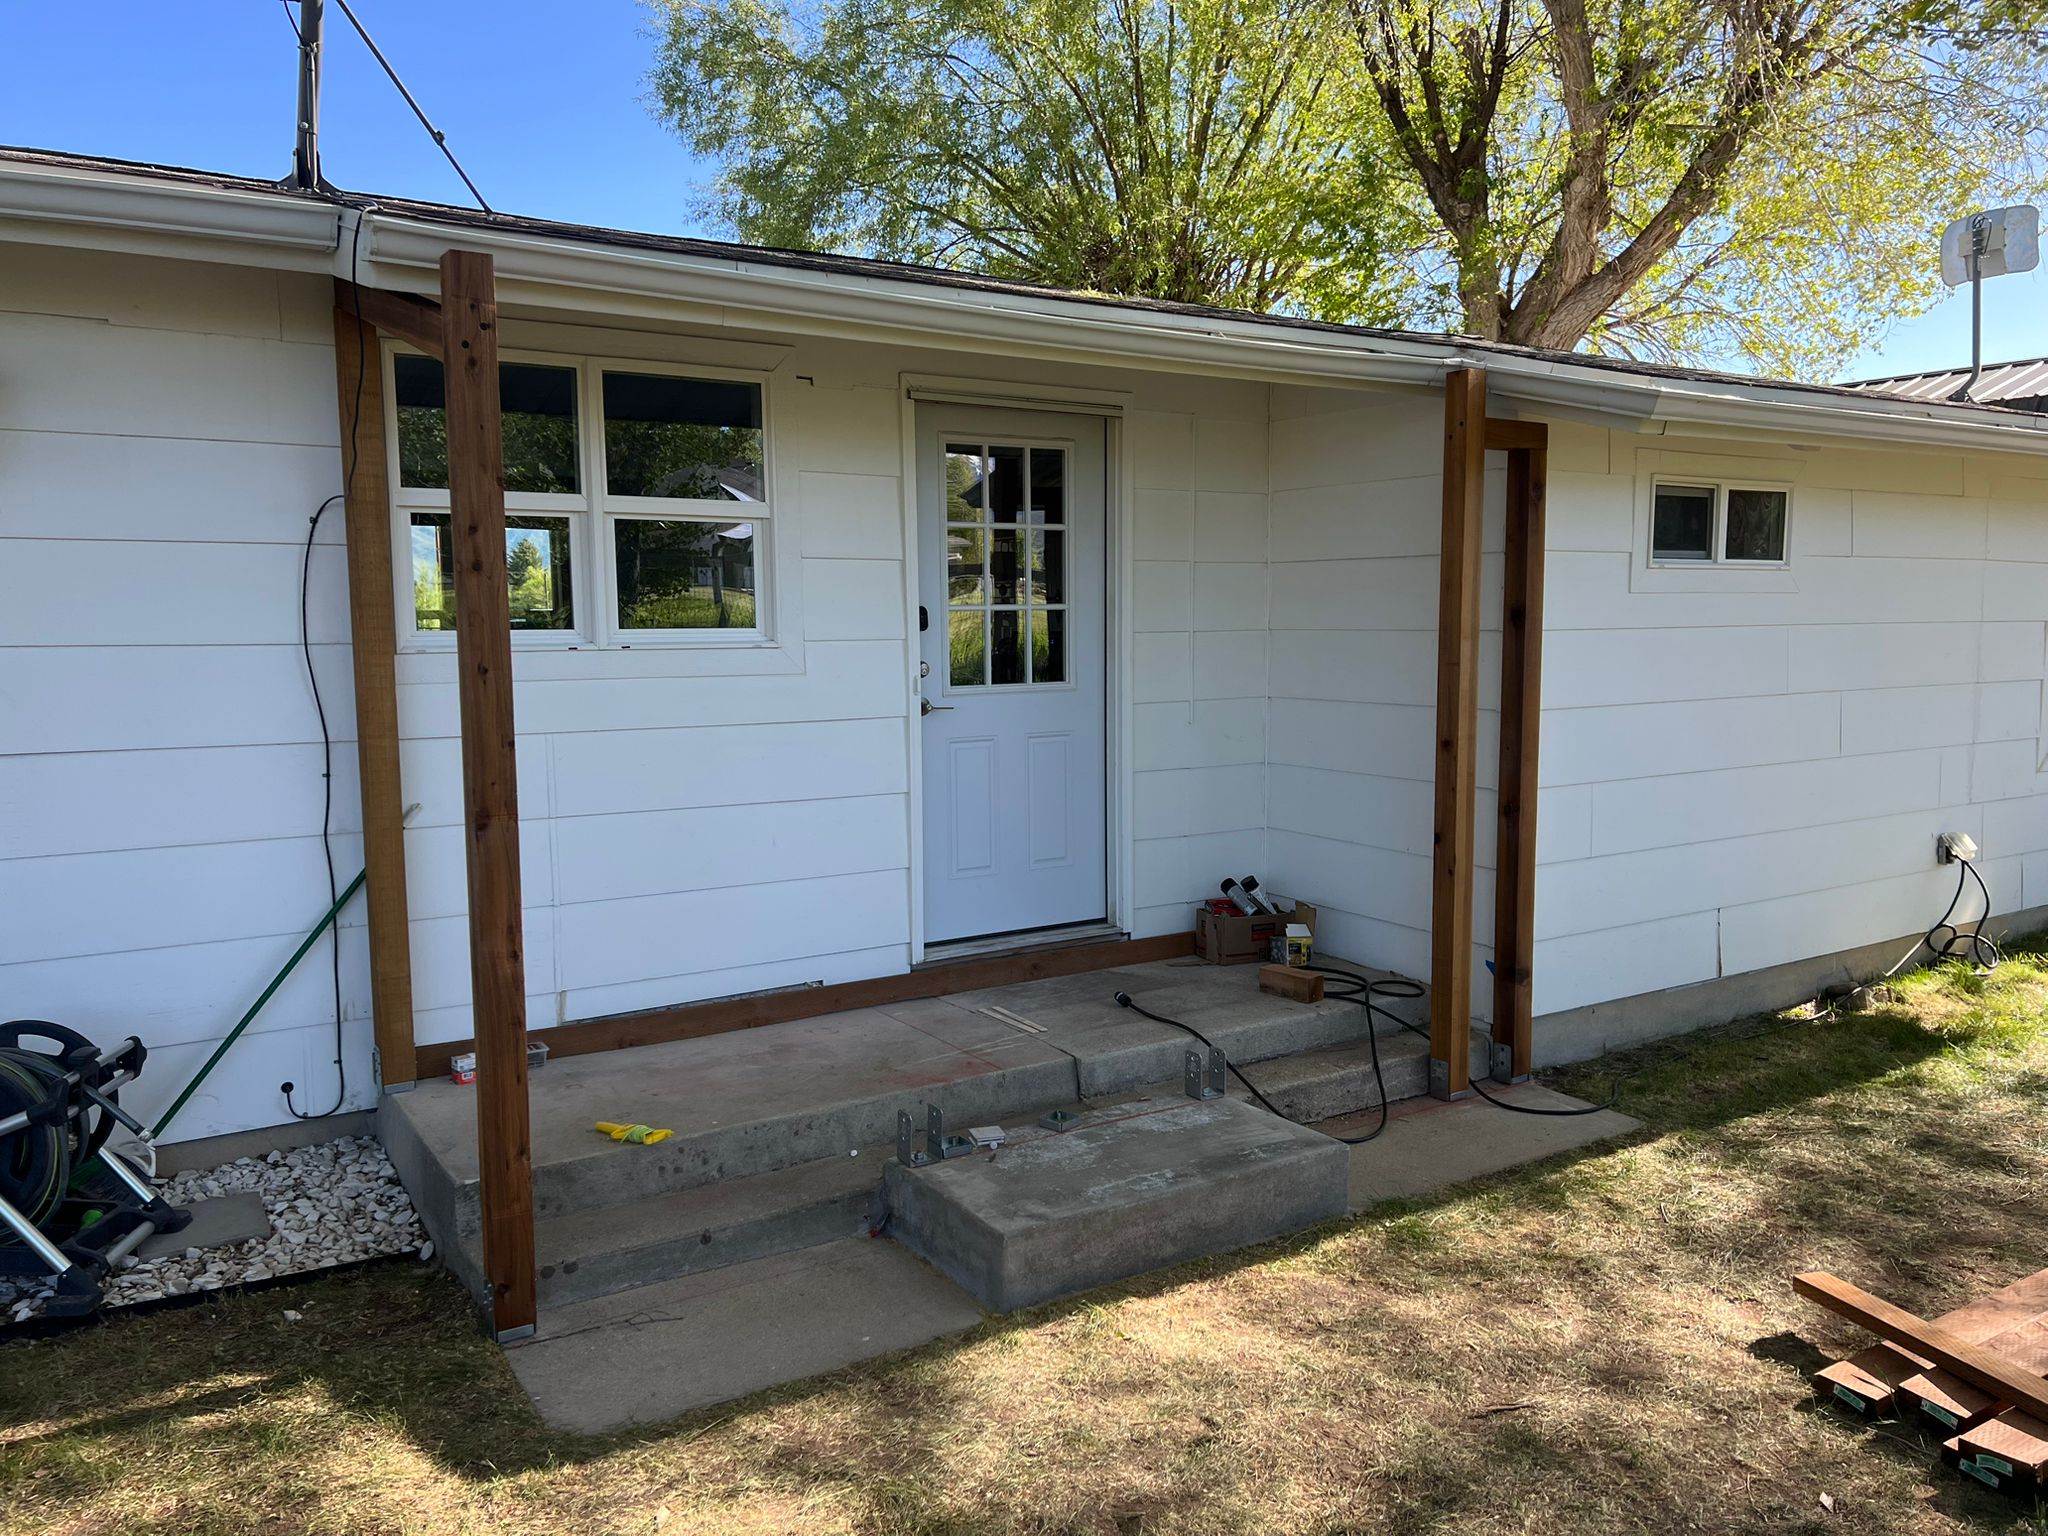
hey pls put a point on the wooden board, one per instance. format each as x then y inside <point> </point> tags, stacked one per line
<point>1872,1379</point>
<point>2012,1447</point>
<point>725,1015</point>
<point>1457,733</point>
<point>1285,981</point>
<point>1974,1364</point>
<point>490,789</point>
<point>373,639</point>
<point>1521,717</point>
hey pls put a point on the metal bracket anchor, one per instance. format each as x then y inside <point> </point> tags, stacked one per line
<point>938,1146</point>
<point>1204,1080</point>
<point>1502,1064</point>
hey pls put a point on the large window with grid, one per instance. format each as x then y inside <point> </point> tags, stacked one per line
<point>637,505</point>
<point>1006,565</point>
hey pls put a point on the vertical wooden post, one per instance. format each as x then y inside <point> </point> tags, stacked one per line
<point>373,636</point>
<point>1521,717</point>
<point>1457,731</point>
<point>490,794</point>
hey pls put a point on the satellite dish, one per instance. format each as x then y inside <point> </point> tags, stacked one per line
<point>2002,240</point>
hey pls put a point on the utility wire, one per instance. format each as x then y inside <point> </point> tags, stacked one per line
<point>440,139</point>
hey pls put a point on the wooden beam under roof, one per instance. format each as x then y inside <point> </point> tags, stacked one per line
<point>414,320</point>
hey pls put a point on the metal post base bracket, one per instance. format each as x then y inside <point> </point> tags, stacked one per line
<point>938,1146</point>
<point>1203,1079</point>
<point>1440,1081</point>
<point>1502,1065</point>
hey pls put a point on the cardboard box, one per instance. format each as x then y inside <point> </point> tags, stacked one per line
<point>1234,939</point>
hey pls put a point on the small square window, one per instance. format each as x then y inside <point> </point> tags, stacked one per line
<point>685,575</point>
<point>537,406</point>
<point>537,572</point>
<point>1756,525</point>
<point>1682,523</point>
<point>684,439</point>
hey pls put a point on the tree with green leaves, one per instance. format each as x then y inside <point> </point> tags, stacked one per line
<point>1677,179</point>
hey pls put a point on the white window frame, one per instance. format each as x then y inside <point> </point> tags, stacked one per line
<point>593,591</point>
<point>609,508</point>
<point>1717,539</point>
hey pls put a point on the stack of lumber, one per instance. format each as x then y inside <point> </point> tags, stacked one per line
<point>1978,1374</point>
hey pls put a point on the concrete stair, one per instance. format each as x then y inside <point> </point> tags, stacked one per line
<point>782,1134</point>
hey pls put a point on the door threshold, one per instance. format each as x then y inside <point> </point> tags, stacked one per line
<point>993,946</point>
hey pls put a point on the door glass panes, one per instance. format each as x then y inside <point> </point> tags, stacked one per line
<point>1756,525</point>
<point>684,575</point>
<point>692,439</point>
<point>537,572</point>
<point>537,405</point>
<point>1006,572</point>
<point>1682,523</point>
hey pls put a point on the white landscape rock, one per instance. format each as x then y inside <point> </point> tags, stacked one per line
<point>335,1203</point>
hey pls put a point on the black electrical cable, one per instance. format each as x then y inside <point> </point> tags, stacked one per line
<point>348,482</point>
<point>1362,994</point>
<point>1976,946</point>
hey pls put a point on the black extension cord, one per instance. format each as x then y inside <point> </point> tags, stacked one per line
<point>1362,990</point>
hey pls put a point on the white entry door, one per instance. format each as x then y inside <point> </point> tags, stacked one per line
<point>1014,650</point>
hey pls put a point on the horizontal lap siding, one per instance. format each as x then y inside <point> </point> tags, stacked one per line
<point>1200,652</point>
<point>1762,774</point>
<point>166,431</point>
<point>1356,515</point>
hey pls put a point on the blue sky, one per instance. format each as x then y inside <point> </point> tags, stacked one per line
<point>542,102</point>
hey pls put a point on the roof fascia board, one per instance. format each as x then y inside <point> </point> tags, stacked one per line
<point>96,212</point>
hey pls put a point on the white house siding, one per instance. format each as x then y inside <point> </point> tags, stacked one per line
<point>1753,770</point>
<point>1356,515</point>
<point>166,430</point>
<point>696,827</point>
<point>1199,647</point>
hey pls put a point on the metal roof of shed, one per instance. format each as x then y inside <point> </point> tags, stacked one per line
<point>2021,385</point>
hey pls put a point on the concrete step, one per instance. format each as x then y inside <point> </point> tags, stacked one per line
<point>814,1090</point>
<point>1338,1080</point>
<point>1131,1189</point>
<point>599,1250</point>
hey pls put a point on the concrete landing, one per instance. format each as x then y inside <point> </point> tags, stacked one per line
<point>650,1354</point>
<point>764,1101</point>
<point>1430,1145</point>
<point>1128,1190</point>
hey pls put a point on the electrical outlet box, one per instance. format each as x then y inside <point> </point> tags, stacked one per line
<point>1955,848</point>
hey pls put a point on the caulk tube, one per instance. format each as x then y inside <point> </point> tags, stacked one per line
<point>1241,899</point>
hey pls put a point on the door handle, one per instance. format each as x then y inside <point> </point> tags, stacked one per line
<point>927,707</point>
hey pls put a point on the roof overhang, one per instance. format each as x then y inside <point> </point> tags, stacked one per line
<point>251,224</point>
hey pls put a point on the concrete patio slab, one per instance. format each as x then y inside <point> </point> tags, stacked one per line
<point>650,1354</point>
<point>215,1223</point>
<point>1430,1145</point>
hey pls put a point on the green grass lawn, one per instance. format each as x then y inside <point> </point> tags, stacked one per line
<point>1604,1343</point>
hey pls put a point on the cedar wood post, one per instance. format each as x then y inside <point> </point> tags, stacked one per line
<point>490,795</point>
<point>373,634</point>
<point>1457,730</point>
<point>1521,716</point>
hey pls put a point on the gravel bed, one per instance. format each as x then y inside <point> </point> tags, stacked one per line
<point>335,1203</point>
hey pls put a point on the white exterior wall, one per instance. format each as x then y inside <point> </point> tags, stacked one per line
<point>693,824</point>
<point>1199,648</point>
<point>1738,770</point>
<point>1357,510</point>
<point>1742,769</point>
<point>166,431</point>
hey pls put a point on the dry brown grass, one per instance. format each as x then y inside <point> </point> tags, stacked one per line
<point>1595,1345</point>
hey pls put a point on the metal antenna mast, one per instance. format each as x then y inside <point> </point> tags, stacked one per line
<point>306,151</point>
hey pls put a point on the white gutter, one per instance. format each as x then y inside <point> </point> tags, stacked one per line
<point>62,205</point>
<point>68,205</point>
<point>761,294</point>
